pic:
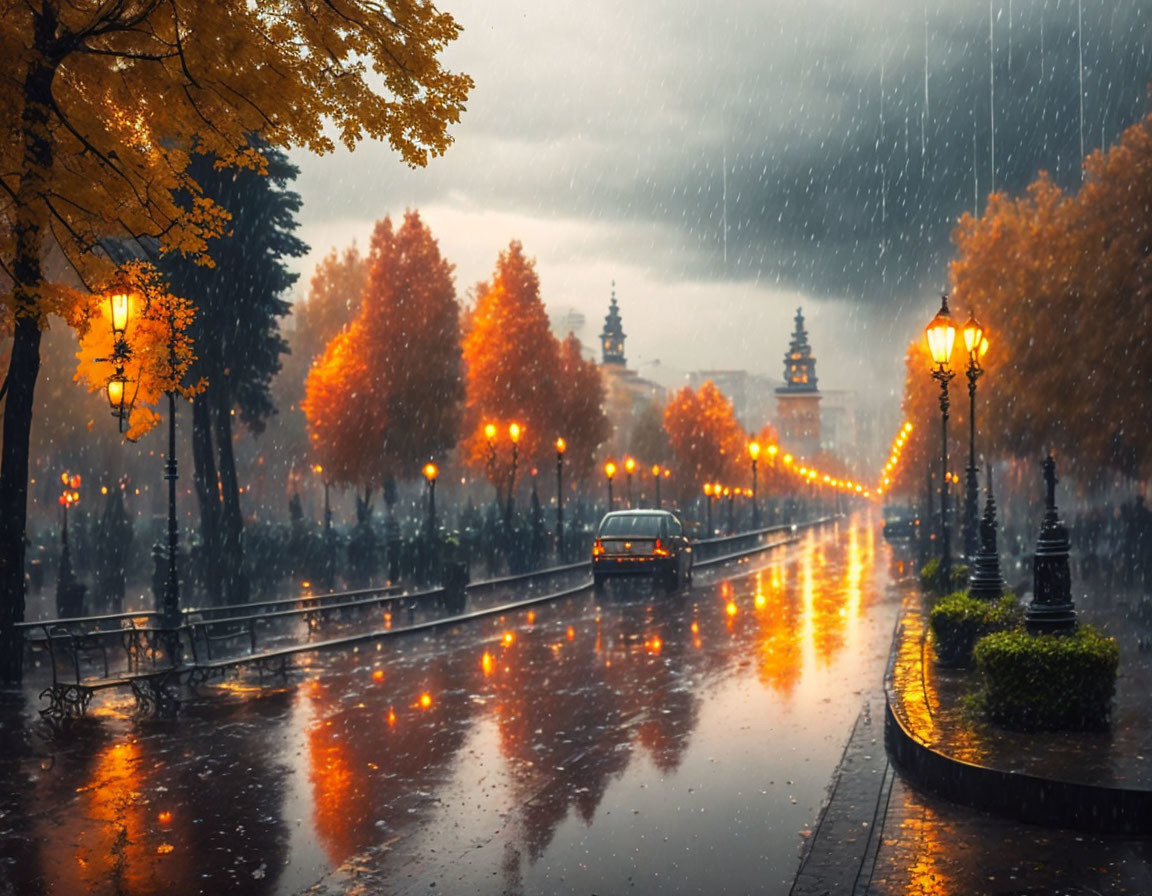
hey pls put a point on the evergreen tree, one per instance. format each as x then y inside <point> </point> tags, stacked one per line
<point>238,343</point>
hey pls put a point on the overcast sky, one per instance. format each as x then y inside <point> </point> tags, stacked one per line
<point>725,162</point>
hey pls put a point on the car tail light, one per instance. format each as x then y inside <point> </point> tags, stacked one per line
<point>597,548</point>
<point>659,550</point>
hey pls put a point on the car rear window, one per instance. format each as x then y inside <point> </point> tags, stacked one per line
<point>641,525</point>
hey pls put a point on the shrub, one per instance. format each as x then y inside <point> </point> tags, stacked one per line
<point>1048,682</point>
<point>930,578</point>
<point>959,621</point>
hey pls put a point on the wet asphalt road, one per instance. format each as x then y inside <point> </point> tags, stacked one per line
<point>635,743</point>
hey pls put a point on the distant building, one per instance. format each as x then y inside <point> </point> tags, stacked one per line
<point>839,425</point>
<point>798,400</point>
<point>612,337</point>
<point>627,393</point>
<point>569,320</point>
<point>750,393</point>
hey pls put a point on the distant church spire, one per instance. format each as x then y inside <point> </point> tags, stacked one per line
<point>799,365</point>
<point>612,338</point>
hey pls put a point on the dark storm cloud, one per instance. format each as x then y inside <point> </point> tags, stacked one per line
<point>842,178</point>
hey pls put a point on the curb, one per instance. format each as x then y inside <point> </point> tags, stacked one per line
<point>1024,797</point>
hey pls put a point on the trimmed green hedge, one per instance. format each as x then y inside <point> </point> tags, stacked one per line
<point>1048,682</point>
<point>959,621</point>
<point>930,578</point>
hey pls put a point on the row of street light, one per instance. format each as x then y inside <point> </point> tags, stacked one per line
<point>894,458</point>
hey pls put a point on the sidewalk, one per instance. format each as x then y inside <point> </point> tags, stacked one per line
<point>880,834</point>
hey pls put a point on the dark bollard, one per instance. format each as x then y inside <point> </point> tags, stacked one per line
<point>986,580</point>
<point>1051,609</point>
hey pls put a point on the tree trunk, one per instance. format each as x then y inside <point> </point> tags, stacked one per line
<point>24,365</point>
<point>232,519</point>
<point>208,493</point>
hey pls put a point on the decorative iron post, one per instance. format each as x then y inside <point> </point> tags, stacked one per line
<point>1051,609</point>
<point>986,581</point>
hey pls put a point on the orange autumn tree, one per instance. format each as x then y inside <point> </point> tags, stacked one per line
<point>708,444</point>
<point>157,336</point>
<point>1062,282</point>
<point>514,370</point>
<point>388,392</point>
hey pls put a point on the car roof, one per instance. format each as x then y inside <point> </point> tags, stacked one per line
<point>651,512</point>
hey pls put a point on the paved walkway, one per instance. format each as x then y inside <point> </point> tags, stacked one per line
<point>878,835</point>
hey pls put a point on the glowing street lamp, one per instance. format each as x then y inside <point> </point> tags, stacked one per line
<point>609,472</point>
<point>430,473</point>
<point>629,467</point>
<point>709,494</point>
<point>561,447</point>
<point>514,431</point>
<point>754,453</point>
<point>329,551</point>
<point>975,343</point>
<point>941,335</point>
<point>120,298</point>
<point>656,478</point>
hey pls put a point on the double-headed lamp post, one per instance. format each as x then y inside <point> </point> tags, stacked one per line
<point>561,447</point>
<point>941,336</point>
<point>609,472</point>
<point>120,299</point>
<point>976,345</point>
<point>754,453</point>
<point>656,479</point>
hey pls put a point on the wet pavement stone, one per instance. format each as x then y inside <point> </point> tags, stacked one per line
<point>842,849</point>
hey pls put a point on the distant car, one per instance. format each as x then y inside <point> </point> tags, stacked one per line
<point>642,543</point>
<point>899,522</point>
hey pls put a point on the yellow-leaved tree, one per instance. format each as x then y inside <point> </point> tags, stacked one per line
<point>102,105</point>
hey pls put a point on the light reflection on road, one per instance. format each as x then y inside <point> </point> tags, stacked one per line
<point>655,743</point>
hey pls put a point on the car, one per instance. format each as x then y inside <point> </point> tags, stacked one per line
<point>642,543</point>
<point>900,522</point>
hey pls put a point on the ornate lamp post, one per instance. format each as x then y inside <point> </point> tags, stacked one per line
<point>609,472</point>
<point>941,335</point>
<point>561,447</point>
<point>120,300</point>
<point>708,495</point>
<point>976,345</point>
<point>629,467</point>
<point>514,430</point>
<point>656,479</point>
<point>754,453</point>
